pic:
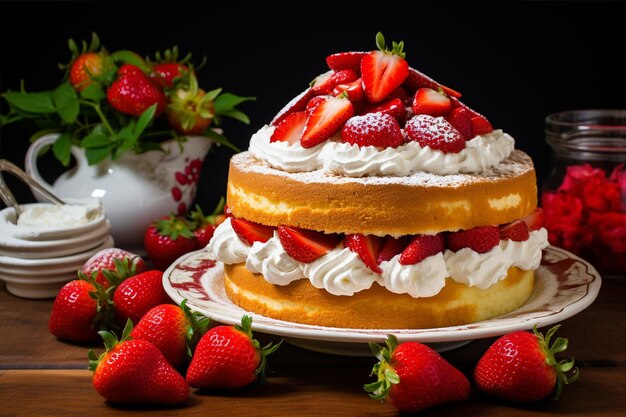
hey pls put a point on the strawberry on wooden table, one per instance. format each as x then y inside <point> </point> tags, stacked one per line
<point>113,265</point>
<point>168,239</point>
<point>414,377</point>
<point>138,294</point>
<point>384,70</point>
<point>81,308</point>
<point>228,357</point>
<point>522,367</point>
<point>174,330</point>
<point>134,371</point>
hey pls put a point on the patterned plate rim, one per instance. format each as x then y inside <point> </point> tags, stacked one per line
<point>565,285</point>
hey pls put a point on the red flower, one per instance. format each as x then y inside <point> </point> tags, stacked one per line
<point>587,215</point>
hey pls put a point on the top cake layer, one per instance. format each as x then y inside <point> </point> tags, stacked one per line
<point>421,203</point>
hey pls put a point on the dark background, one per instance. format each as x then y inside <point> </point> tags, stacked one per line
<point>515,62</point>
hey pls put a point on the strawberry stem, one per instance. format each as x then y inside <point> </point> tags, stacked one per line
<point>385,374</point>
<point>561,367</point>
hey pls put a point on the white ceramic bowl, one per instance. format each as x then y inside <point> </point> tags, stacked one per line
<point>8,226</point>
<point>59,265</point>
<point>43,249</point>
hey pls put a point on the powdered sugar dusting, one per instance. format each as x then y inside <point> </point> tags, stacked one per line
<point>516,164</point>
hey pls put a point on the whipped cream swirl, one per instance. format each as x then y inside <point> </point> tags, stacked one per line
<point>335,157</point>
<point>341,271</point>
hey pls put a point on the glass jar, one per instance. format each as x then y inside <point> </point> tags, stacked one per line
<point>584,193</point>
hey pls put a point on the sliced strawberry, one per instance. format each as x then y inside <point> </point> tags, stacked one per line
<point>421,247</point>
<point>367,247</point>
<point>400,92</point>
<point>384,70</point>
<point>434,132</point>
<point>354,90</point>
<point>391,247</point>
<point>416,80</point>
<point>480,239</point>
<point>306,245</point>
<point>373,129</point>
<point>480,125</point>
<point>431,102</point>
<point>345,60</point>
<point>325,120</point>
<point>536,220</point>
<point>251,232</point>
<point>461,120</point>
<point>290,129</point>
<point>298,103</point>
<point>393,107</point>
<point>516,231</point>
<point>325,83</point>
<point>450,91</point>
<point>314,102</point>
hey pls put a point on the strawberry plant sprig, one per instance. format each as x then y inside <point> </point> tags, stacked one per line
<point>112,103</point>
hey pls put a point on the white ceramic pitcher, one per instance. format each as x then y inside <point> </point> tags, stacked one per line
<point>135,189</point>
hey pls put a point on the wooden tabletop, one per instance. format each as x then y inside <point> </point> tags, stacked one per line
<point>40,375</point>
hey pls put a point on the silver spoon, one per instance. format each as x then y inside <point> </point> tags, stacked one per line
<point>9,198</point>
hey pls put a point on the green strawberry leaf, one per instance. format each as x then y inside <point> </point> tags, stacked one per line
<point>228,101</point>
<point>237,115</point>
<point>61,149</point>
<point>93,92</point>
<point>95,140</point>
<point>144,120</point>
<point>130,57</point>
<point>221,139</point>
<point>66,102</point>
<point>40,102</point>
<point>95,155</point>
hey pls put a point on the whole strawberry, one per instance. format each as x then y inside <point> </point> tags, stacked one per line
<point>138,294</point>
<point>415,377</point>
<point>86,68</point>
<point>204,226</point>
<point>174,330</point>
<point>227,357</point>
<point>81,308</point>
<point>135,372</point>
<point>167,239</point>
<point>113,265</point>
<point>191,110</point>
<point>133,92</point>
<point>521,367</point>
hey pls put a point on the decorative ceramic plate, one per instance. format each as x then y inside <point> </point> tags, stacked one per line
<point>564,286</point>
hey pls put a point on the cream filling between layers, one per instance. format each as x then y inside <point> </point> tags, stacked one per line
<point>335,157</point>
<point>341,272</point>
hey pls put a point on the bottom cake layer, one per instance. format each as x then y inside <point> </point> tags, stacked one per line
<point>376,308</point>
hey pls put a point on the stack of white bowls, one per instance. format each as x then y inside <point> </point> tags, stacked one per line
<point>44,249</point>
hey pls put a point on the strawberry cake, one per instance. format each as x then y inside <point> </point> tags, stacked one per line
<point>377,199</point>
